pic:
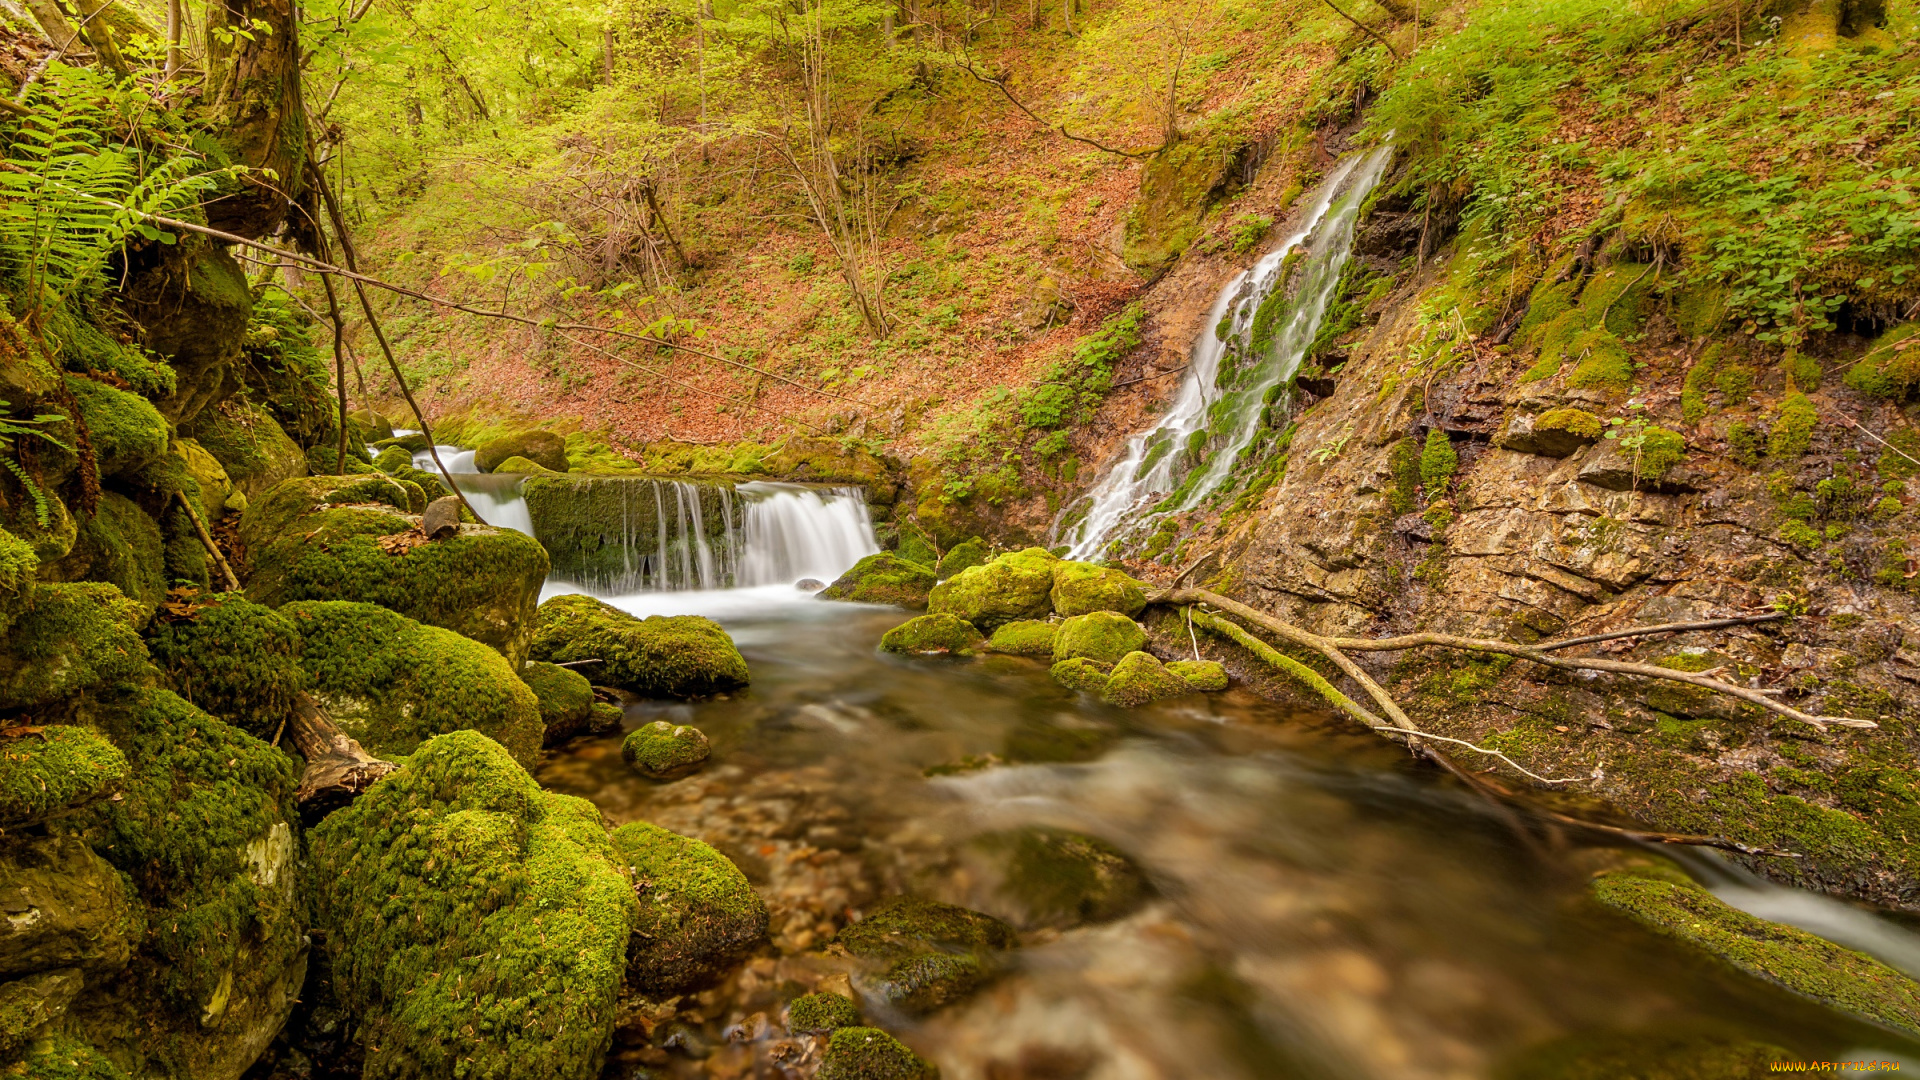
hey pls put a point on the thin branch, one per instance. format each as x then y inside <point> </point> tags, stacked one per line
<point>1061,129</point>
<point>1663,628</point>
<point>1371,32</point>
<point>1862,430</point>
<point>206,541</point>
<point>1648,837</point>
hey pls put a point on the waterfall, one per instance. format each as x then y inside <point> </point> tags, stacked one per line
<point>792,532</point>
<point>1256,336</point>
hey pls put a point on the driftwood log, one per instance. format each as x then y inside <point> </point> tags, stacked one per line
<point>338,769</point>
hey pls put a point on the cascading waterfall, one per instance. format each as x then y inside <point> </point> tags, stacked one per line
<point>792,532</point>
<point>1257,335</point>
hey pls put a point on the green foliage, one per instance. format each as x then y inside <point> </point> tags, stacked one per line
<point>1793,425</point>
<point>1068,391</point>
<point>54,769</point>
<point>1403,460</point>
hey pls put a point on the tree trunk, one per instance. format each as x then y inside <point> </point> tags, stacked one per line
<point>338,770</point>
<point>254,84</point>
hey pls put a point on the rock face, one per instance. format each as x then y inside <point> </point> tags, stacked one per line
<point>678,656</point>
<point>884,578</point>
<point>543,448</point>
<point>477,924</point>
<point>697,916</point>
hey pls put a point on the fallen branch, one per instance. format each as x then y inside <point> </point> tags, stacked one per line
<point>337,768</point>
<point>1371,32</point>
<point>206,541</point>
<point>1648,837</point>
<point>1663,628</point>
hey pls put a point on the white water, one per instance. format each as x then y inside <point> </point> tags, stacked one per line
<point>496,498</point>
<point>1155,462</point>
<point>793,532</point>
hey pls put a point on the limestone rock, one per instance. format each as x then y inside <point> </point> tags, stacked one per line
<point>1554,433</point>
<point>442,517</point>
<point>64,907</point>
<point>677,656</point>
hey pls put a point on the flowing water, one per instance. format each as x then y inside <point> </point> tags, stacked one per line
<point>1256,336</point>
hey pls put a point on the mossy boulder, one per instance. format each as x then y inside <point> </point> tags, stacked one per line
<point>392,460</point>
<point>821,1012</point>
<point>1081,674</point>
<point>19,564</point>
<point>922,954</point>
<point>412,444</point>
<point>698,914</point>
<point>58,768</point>
<point>477,925</point>
<point>120,544</point>
<point>67,639</point>
<point>217,493</point>
<point>1138,679</point>
<point>520,466</point>
<point>1102,636</point>
<point>965,555</point>
<point>1062,879</point>
<point>393,683</point>
<point>662,656</point>
<point>1207,675</point>
<point>1025,637</point>
<point>1666,901</point>
<point>50,540</point>
<point>864,1053</point>
<point>126,431</point>
<point>250,445</point>
<point>663,751</point>
<point>606,717</point>
<point>543,448</point>
<point>934,634</point>
<point>1554,433</point>
<point>565,696</point>
<point>1017,585</point>
<point>270,515</point>
<point>1081,588</point>
<point>89,917</point>
<point>239,661</point>
<point>884,578</point>
<point>28,1006</point>
<point>370,425</point>
<point>61,1057</point>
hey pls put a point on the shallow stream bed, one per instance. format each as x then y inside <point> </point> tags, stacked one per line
<point>1321,905</point>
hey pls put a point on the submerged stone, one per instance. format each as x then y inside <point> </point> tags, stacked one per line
<point>543,448</point>
<point>1013,586</point>
<point>477,925</point>
<point>1080,673</point>
<point>932,635</point>
<point>1140,678</point>
<point>565,696</point>
<point>1026,637</point>
<point>1101,636</point>
<point>663,751</point>
<point>1207,675</point>
<point>821,1012</point>
<point>239,661</point>
<point>1080,588</point>
<point>864,1053</point>
<point>662,656</point>
<point>60,767</point>
<point>923,954</point>
<point>1064,879</point>
<point>697,916</point>
<point>884,578</point>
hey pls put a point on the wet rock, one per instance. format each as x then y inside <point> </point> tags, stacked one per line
<point>1554,433</point>
<point>544,448</point>
<point>964,555</point>
<point>1206,675</point>
<point>239,661</point>
<point>821,1012</point>
<point>393,683</point>
<point>1102,636</point>
<point>697,916</point>
<point>662,656</point>
<point>884,578</point>
<point>1063,879</point>
<point>1139,678</point>
<point>934,634</point>
<point>1080,673</point>
<point>59,768</point>
<point>412,444</point>
<point>864,1053</point>
<point>1026,637</point>
<point>565,696</point>
<point>809,585</point>
<point>663,751</point>
<point>478,925</point>
<point>1013,586</point>
<point>923,954</point>
<point>442,517</point>
<point>607,717</point>
<point>63,907</point>
<point>1080,588</point>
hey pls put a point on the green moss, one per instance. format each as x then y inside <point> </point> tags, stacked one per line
<point>663,751</point>
<point>70,639</point>
<point>1437,463</point>
<point>1102,636</point>
<point>320,461</point>
<point>62,1058</point>
<point>1404,462</point>
<point>697,915</point>
<point>1802,371</point>
<point>1140,678</point>
<point>126,431</point>
<point>679,656</point>
<point>120,544</point>
<point>864,1053</point>
<point>478,925</point>
<point>603,530</point>
<point>1578,422</point>
<point>519,466</point>
<point>392,459</point>
<point>1017,585</point>
<point>1027,637</point>
<point>1890,369</point>
<point>1604,363</point>
<point>939,633</point>
<point>1081,588</point>
<point>271,514</point>
<point>565,696</point>
<point>1792,427</point>
<point>1800,534</point>
<point>543,448</point>
<point>1644,1055</point>
<point>1787,957</point>
<point>1080,673</point>
<point>393,683</point>
<point>250,444</point>
<point>18,565</point>
<point>821,1012</point>
<point>883,578</point>
<point>1207,675</point>
<point>606,717</point>
<point>237,660</point>
<point>1660,452</point>
<point>58,768</point>
<point>922,954</point>
<point>1693,391</point>
<point>1063,879</point>
<point>963,556</point>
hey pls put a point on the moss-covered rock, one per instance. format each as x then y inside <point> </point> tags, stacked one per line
<point>663,751</point>
<point>392,460</point>
<point>1017,585</point>
<point>120,544</point>
<point>412,444</point>
<point>19,564</point>
<point>963,556</point>
<point>393,683</point>
<point>1062,879</point>
<point>250,445</point>
<point>821,1012</point>
<point>934,634</point>
<point>271,514</point>
<point>697,916</point>
<point>543,448</point>
<point>606,717</point>
<point>1140,678</point>
<point>126,431</point>
<point>1813,967</point>
<point>1026,637</point>
<point>1081,588</point>
<point>1080,674</point>
<point>663,656</point>
<point>28,1005</point>
<point>520,466</point>
<point>1207,675</point>
<point>370,425</point>
<point>1554,433</point>
<point>88,916</point>
<point>864,1053</point>
<point>1102,636</point>
<point>884,578</point>
<point>68,639</point>
<point>217,493</point>
<point>239,661</point>
<point>565,696</point>
<point>922,954</point>
<point>477,925</point>
<point>58,768</point>
<point>63,1058</point>
<point>50,540</point>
